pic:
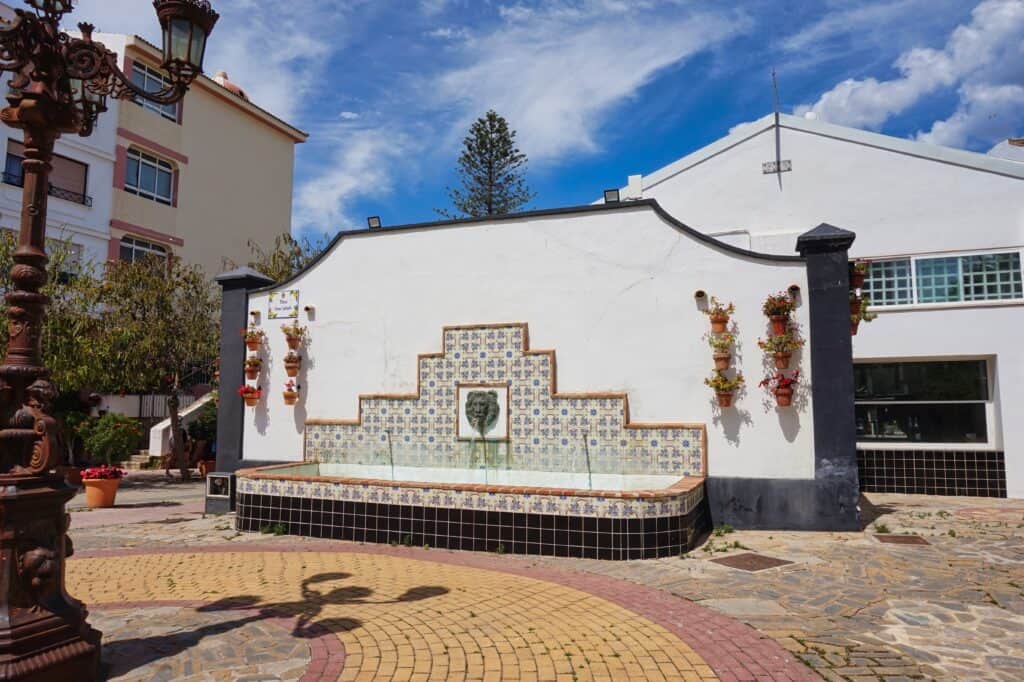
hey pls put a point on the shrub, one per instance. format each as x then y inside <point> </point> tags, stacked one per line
<point>204,427</point>
<point>112,438</point>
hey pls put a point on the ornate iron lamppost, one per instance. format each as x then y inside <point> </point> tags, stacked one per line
<point>60,85</point>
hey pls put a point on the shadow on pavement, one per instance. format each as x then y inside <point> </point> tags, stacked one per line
<point>123,656</point>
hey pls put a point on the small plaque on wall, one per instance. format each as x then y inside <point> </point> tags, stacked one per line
<point>284,305</point>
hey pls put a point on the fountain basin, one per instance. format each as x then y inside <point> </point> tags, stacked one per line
<point>523,512</point>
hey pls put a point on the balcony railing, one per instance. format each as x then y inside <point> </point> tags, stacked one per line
<point>18,180</point>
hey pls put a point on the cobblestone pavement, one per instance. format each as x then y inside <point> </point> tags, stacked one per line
<point>849,606</point>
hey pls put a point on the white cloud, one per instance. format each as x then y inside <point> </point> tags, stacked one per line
<point>348,115</point>
<point>556,72</point>
<point>449,33</point>
<point>981,115</point>
<point>978,57</point>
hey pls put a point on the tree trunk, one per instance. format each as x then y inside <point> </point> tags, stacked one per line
<point>177,434</point>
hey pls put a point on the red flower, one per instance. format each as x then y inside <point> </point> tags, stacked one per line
<point>103,472</point>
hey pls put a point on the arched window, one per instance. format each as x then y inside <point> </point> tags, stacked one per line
<point>133,249</point>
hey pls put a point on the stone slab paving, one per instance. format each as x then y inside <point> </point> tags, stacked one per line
<point>849,607</point>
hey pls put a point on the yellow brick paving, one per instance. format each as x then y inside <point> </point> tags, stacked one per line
<point>404,619</point>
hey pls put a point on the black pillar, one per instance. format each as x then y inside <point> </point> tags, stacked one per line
<point>829,500</point>
<point>236,286</point>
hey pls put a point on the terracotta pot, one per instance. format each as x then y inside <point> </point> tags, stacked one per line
<point>724,399</point>
<point>252,373</point>
<point>722,361</point>
<point>101,492</point>
<point>784,396</point>
<point>290,397</point>
<point>782,360</point>
<point>73,475</point>
<point>857,279</point>
<point>854,305</point>
<point>206,466</point>
<point>252,345</point>
<point>779,323</point>
<point>251,399</point>
<point>293,342</point>
<point>853,327</point>
<point>292,368</point>
<point>719,323</point>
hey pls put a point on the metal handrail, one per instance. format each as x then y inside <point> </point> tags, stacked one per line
<point>67,195</point>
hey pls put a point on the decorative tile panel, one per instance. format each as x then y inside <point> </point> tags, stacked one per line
<point>548,431</point>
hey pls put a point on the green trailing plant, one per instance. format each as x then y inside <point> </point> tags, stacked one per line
<point>112,438</point>
<point>723,384</point>
<point>780,343</point>
<point>778,305</point>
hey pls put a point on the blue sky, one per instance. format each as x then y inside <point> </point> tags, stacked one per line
<point>597,89</point>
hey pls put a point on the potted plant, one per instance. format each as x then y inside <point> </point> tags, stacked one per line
<point>719,314</point>
<point>292,363</point>
<point>855,302</point>
<point>782,387</point>
<point>781,347</point>
<point>101,485</point>
<point>724,387</point>
<point>291,392</point>
<point>294,333</point>
<point>250,394</point>
<point>254,336</point>
<point>858,272</point>
<point>111,438</point>
<point>777,308</point>
<point>861,315</point>
<point>252,367</point>
<point>721,344</point>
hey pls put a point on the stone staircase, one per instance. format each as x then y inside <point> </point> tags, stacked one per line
<point>142,460</point>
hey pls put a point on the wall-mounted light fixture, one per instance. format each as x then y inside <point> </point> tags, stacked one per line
<point>699,294</point>
<point>373,222</point>
<point>611,196</point>
<point>255,315</point>
<point>794,290</point>
<point>310,312</point>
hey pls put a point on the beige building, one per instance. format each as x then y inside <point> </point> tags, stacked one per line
<point>199,178</point>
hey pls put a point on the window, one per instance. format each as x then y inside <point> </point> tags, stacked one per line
<point>922,402</point>
<point>68,178</point>
<point>949,279</point>
<point>149,177</point>
<point>133,250</point>
<point>151,80</point>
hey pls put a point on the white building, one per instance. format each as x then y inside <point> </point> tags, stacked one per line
<point>940,373</point>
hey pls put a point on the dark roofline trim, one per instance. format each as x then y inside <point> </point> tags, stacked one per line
<point>543,213</point>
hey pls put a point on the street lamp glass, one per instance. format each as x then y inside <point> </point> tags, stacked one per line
<point>186,25</point>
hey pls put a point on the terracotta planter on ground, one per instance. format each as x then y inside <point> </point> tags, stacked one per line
<point>722,361</point>
<point>779,323</point>
<point>252,345</point>
<point>251,400</point>
<point>292,367</point>
<point>784,397</point>
<point>293,341</point>
<point>782,360</point>
<point>719,323</point>
<point>100,492</point>
<point>252,373</point>
<point>290,397</point>
<point>724,399</point>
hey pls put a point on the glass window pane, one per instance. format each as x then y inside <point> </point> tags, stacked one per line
<point>922,423</point>
<point>163,184</point>
<point>147,178</point>
<point>952,380</point>
<point>12,168</point>
<point>131,173</point>
<point>888,282</point>
<point>991,276</point>
<point>938,280</point>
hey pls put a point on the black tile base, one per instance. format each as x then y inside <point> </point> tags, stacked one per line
<point>932,472</point>
<point>477,530</point>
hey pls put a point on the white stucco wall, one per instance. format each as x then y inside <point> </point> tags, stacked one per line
<point>611,292</point>
<point>897,203</point>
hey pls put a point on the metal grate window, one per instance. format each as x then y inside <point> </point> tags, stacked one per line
<point>991,276</point>
<point>888,282</point>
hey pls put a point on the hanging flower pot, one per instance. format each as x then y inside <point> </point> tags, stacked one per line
<point>782,387</point>
<point>724,399</point>
<point>291,393</point>
<point>782,360</point>
<point>784,396</point>
<point>724,387</point>
<point>294,334</point>
<point>252,368</point>
<point>858,273</point>
<point>777,308</point>
<point>292,364</point>
<point>854,305</point>
<point>719,314</point>
<point>251,395</point>
<point>779,323</point>
<point>722,361</point>
<point>254,337</point>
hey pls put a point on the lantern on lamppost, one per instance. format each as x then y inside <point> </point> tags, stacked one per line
<point>60,85</point>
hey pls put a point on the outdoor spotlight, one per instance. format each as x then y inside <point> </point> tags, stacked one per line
<point>611,196</point>
<point>373,222</point>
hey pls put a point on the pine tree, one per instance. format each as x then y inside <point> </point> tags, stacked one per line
<point>492,171</point>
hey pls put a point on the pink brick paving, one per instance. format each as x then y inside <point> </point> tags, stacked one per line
<point>734,650</point>
<point>326,651</point>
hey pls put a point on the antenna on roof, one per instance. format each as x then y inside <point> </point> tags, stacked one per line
<point>775,94</point>
<point>779,165</point>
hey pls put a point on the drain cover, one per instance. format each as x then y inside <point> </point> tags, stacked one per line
<point>902,539</point>
<point>751,562</point>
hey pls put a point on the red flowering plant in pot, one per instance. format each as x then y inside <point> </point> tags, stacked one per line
<point>778,308</point>
<point>782,387</point>
<point>781,347</point>
<point>101,483</point>
<point>291,392</point>
<point>719,314</point>
<point>250,394</point>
